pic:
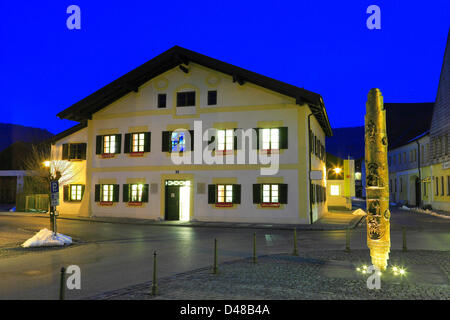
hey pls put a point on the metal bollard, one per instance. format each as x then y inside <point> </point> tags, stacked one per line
<point>215,257</point>
<point>154,284</point>
<point>295,253</point>
<point>347,240</point>
<point>404,239</point>
<point>62,284</point>
<point>254,247</point>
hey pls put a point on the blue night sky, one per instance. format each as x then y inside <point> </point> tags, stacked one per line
<point>323,46</point>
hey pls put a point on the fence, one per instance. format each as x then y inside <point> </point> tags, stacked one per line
<point>37,203</point>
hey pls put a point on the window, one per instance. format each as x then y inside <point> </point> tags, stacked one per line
<point>109,144</point>
<point>225,139</point>
<point>401,185</point>
<point>212,98</point>
<point>270,139</point>
<point>107,193</point>
<point>270,193</point>
<point>138,142</point>
<point>136,192</point>
<point>442,185</point>
<point>437,185</point>
<point>404,157</point>
<point>178,142</point>
<point>186,99</point>
<point>448,185</point>
<point>224,193</point>
<point>73,192</point>
<point>162,98</point>
<point>74,151</point>
<point>334,190</point>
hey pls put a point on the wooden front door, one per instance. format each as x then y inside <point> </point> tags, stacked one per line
<point>172,203</point>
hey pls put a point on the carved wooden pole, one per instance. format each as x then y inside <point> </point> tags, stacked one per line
<point>377,181</point>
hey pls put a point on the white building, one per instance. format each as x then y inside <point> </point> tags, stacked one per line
<point>130,130</point>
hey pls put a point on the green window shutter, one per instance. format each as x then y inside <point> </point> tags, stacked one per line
<point>127,143</point>
<point>283,193</point>
<point>116,189</point>
<point>99,145</point>
<point>97,193</point>
<point>66,193</point>
<point>192,139</point>
<point>313,193</point>
<point>235,140</point>
<point>147,141</point>
<point>65,151</point>
<point>166,141</point>
<point>83,147</point>
<point>237,193</point>
<point>255,140</point>
<point>257,193</point>
<point>118,143</point>
<point>82,191</point>
<point>212,193</point>
<point>145,193</point>
<point>125,193</point>
<point>283,137</point>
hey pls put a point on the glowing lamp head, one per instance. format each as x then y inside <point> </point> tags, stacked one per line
<point>46,164</point>
<point>337,170</point>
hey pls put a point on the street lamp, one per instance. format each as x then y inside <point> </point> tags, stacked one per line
<point>337,170</point>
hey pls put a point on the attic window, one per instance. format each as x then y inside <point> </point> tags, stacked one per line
<point>186,99</point>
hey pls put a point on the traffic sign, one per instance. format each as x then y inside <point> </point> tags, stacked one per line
<point>54,187</point>
<point>54,199</point>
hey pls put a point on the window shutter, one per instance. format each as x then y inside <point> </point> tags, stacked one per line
<point>118,143</point>
<point>116,189</point>
<point>192,139</point>
<point>147,141</point>
<point>82,191</point>
<point>65,151</point>
<point>98,145</point>
<point>145,193</point>
<point>127,143</point>
<point>283,137</point>
<point>166,135</point>
<point>256,193</point>
<point>83,147</point>
<point>97,193</point>
<point>313,193</point>
<point>255,142</point>
<point>235,140</point>
<point>211,193</point>
<point>310,141</point>
<point>66,193</point>
<point>283,196</point>
<point>125,193</point>
<point>237,193</point>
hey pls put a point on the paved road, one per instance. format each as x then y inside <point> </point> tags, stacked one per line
<point>112,256</point>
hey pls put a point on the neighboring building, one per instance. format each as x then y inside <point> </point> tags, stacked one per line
<point>11,183</point>
<point>129,130</point>
<point>340,182</point>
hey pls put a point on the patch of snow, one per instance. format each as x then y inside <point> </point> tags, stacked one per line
<point>432,213</point>
<point>404,208</point>
<point>359,212</point>
<point>46,238</point>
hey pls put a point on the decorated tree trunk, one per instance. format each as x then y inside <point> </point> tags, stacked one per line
<point>377,180</point>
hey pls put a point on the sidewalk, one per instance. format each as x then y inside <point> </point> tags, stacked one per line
<point>333,220</point>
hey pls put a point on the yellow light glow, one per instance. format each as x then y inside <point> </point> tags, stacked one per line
<point>395,269</point>
<point>337,170</point>
<point>46,164</point>
<point>402,271</point>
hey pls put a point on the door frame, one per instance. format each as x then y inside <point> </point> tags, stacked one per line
<point>176,176</point>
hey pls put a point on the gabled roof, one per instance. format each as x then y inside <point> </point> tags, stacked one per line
<point>407,121</point>
<point>68,132</point>
<point>174,57</point>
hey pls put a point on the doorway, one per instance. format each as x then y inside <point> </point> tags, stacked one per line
<point>177,200</point>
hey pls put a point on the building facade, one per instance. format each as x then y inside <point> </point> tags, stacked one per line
<point>187,137</point>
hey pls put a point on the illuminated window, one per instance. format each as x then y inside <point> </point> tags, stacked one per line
<point>270,193</point>
<point>76,192</point>
<point>107,192</point>
<point>136,192</point>
<point>271,139</point>
<point>225,139</point>
<point>224,193</point>
<point>109,144</point>
<point>334,190</point>
<point>138,140</point>
<point>178,141</point>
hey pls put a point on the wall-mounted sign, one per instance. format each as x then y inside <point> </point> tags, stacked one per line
<point>316,174</point>
<point>446,165</point>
